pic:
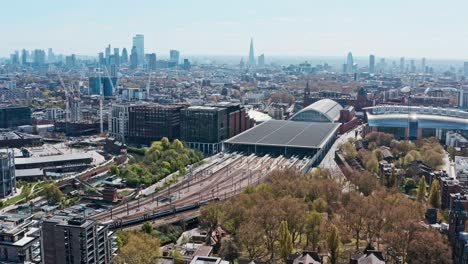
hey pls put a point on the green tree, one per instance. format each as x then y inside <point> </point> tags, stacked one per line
<point>434,194</point>
<point>139,248</point>
<point>53,194</point>
<point>408,160</point>
<point>421,189</point>
<point>229,251</point>
<point>393,179</point>
<point>114,170</point>
<point>348,150</point>
<point>333,243</point>
<point>410,184</point>
<point>285,240</point>
<point>313,227</point>
<point>147,228</point>
<point>451,151</point>
<point>165,143</point>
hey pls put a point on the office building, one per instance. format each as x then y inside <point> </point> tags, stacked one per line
<point>50,56</point>
<point>134,61</point>
<point>151,122</point>
<point>101,59</point>
<point>7,170</point>
<point>423,65</point>
<point>74,109</point>
<point>14,116</point>
<point>151,61</point>
<point>24,57</point>
<point>251,54</point>
<point>463,97</point>
<point>349,64</point>
<point>237,119</point>
<point>174,57</point>
<point>261,60</point>
<point>68,240</point>
<point>118,122</point>
<point>55,113</point>
<point>20,239</point>
<point>108,53</point>
<point>371,64</point>
<point>39,58</point>
<point>116,56</point>
<point>204,128</point>
<point>465,69</point>
<point>14,58</point>
<point>70,61</point>
<point>124,58</point>
<point>402,65</point>
<point>104,83</point>
<point>139,44</point>
<point>412,66</point>
<point>186,65</point>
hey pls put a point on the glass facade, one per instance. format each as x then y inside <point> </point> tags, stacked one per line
<point>204,124</point>
<point>148,123</point>
<point>14,116</point>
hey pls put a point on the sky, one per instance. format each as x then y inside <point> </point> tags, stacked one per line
<point>387,28</point>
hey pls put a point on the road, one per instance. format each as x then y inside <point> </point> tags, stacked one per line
<point>449,166</point>
<point>329,161</point>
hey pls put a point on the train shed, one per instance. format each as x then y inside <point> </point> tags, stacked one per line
<point>288,138</point>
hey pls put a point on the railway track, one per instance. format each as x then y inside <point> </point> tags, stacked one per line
<point>207,185</point>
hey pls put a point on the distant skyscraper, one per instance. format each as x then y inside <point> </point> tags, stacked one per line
<point>139,44</point>
<point>24,57</point>
<point>50,56</point>
<point>350,64</point>
<point>306,99</point>
<point>402,64</point>
<point>371,64</point>
<point>151,61</point>
<point>116,56</point>
<point>101,59</point>
<point>134,58</point>
<point>465,68</point>
<point>186,65</point>
<point>108,53</point>
<point>124,58</point>
<point>174,56</point>
<point>251,54</point>
<point>423,65</point>
<point>70,61</point>
<point>14,58</point>
<point>261,60</point>
<point>39,57</point>
<point>413,66</point>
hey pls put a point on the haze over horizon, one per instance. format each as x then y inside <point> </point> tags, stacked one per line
<point>431,29</point>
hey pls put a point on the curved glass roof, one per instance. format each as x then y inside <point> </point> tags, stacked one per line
<point>324,110</point>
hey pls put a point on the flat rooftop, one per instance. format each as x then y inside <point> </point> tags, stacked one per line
<point>53,158</point>
<point>287,134</point>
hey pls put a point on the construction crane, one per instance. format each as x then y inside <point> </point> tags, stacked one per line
<point>67,99</point>
<point>101,98</point>
<point>148,86</point>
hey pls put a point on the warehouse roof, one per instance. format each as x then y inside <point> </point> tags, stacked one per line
<point>287,134</point>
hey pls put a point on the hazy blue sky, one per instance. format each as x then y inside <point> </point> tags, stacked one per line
<point>416,28</point>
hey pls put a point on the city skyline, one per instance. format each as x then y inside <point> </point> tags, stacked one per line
<point>212,28</point>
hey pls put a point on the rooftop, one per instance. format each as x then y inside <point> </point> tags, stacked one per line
<point>54,158</point>
<point>287,134</point>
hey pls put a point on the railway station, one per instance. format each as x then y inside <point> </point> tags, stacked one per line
<point>287,138</point>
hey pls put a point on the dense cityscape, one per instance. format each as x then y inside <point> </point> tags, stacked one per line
<point>131,155</point>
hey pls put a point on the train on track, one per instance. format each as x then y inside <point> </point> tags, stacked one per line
<point>122,223</point>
